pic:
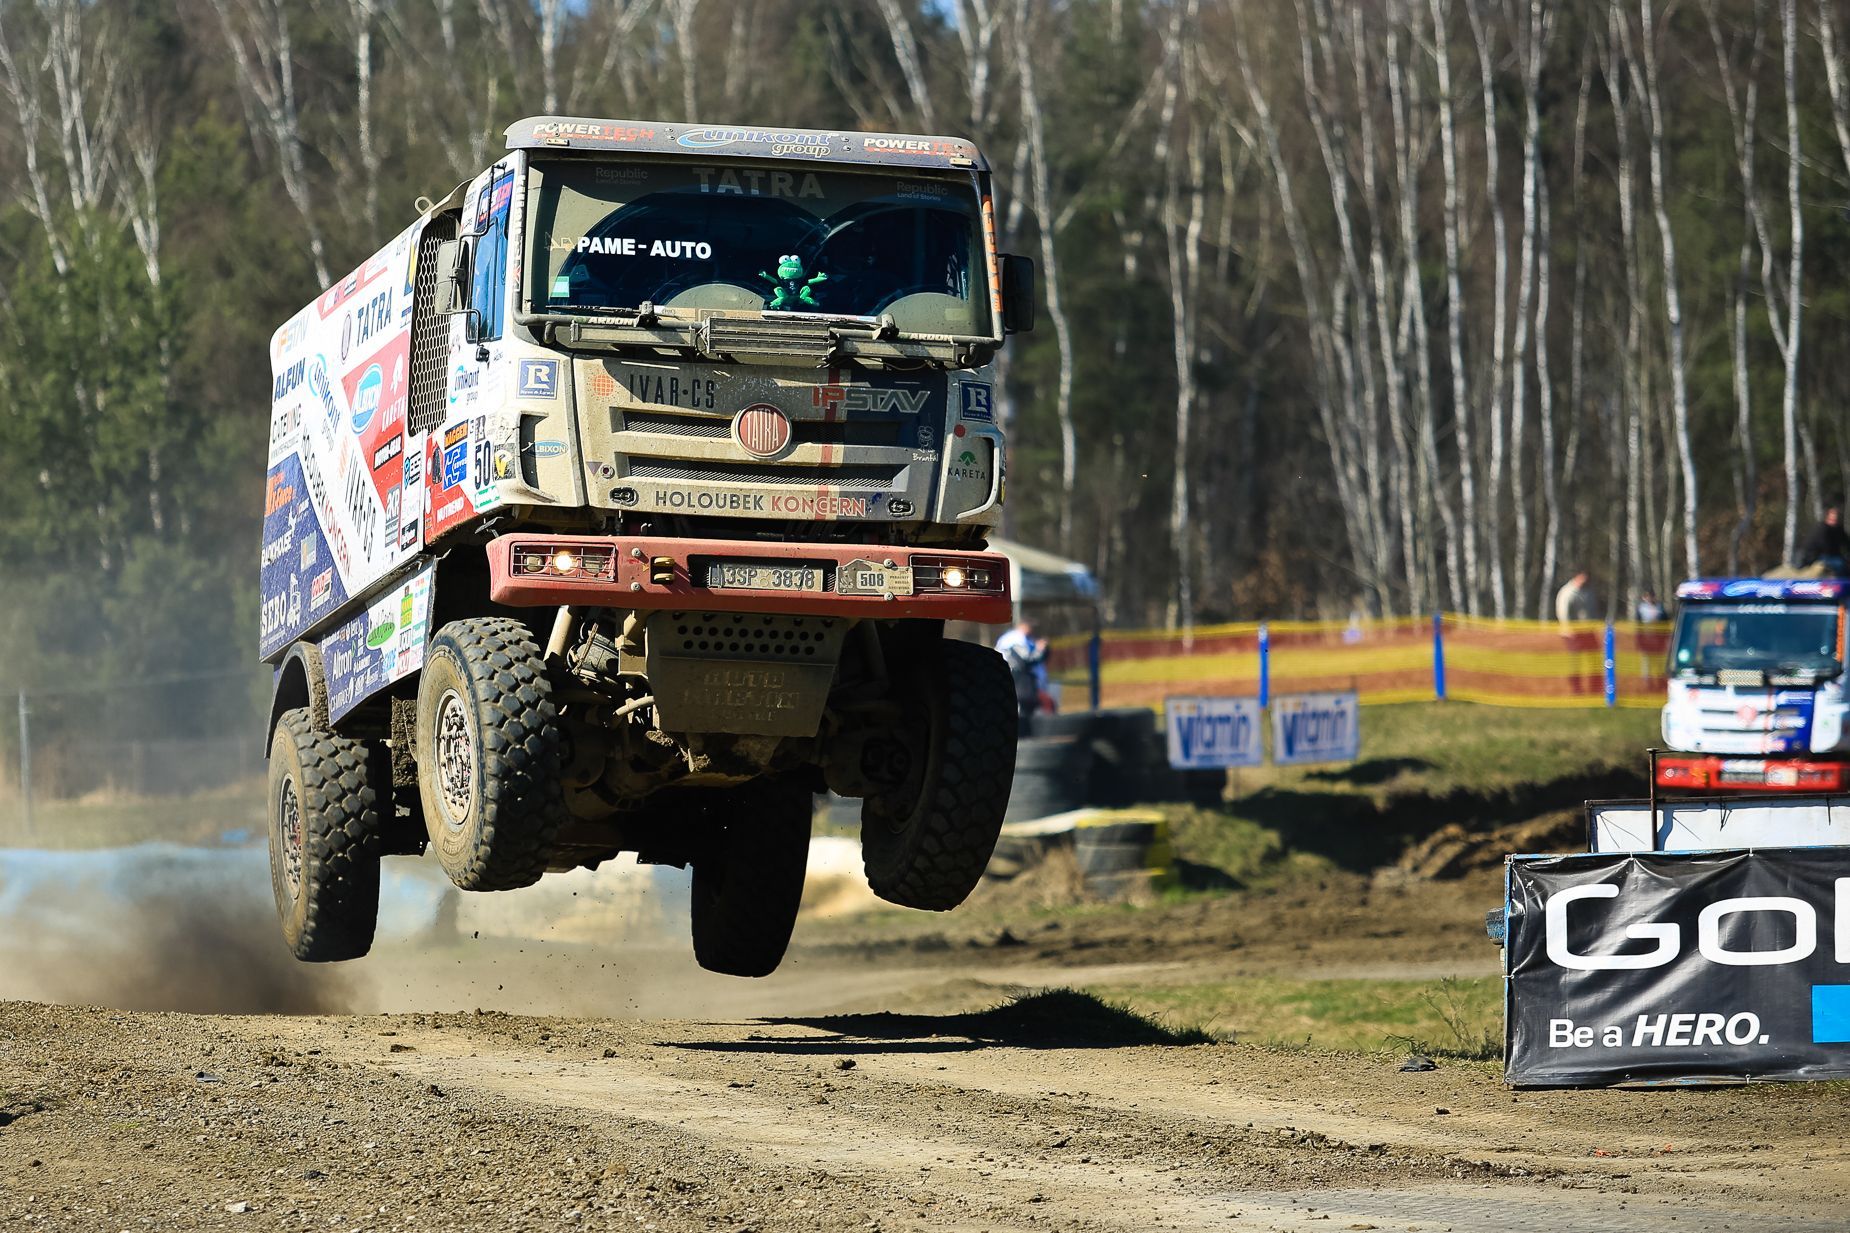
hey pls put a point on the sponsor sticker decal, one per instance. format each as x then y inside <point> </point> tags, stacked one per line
<point>366,397</point>
<point>851,398</point>
<point>455,455</point>
<point>815,145</point>
<point>539,378</point>
<point>977,402</point>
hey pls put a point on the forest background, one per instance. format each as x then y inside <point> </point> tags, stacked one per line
<point>1348,306</point>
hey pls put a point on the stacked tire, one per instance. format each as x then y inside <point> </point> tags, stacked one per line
<point>1081,759</point>
<point>1120,858</point>
<point>1052,775</point>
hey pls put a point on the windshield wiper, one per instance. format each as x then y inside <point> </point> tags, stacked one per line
<point>882,326</point>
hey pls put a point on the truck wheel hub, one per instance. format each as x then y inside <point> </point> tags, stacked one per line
<point>289,810</point>
<point>455,758</point>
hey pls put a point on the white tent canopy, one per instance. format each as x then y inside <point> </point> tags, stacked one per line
<point>1040,577</point>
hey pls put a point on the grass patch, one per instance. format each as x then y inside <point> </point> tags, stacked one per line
<point>1243,852</point>
<point>1424,765</point>
<point>1048,1019</point>
<point>1439,748</point>
<point>1460,1018</point>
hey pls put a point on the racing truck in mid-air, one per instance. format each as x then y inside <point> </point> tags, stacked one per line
<point>618,504</point>
<point>1756,687</point>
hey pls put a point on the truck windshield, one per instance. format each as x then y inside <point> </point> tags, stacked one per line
<point>1774,639</point>
<point>682,235</point>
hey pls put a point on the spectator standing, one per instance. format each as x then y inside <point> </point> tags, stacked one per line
<point>1575,600</point>
<point>1649,609</point>
<point>1026,657</point>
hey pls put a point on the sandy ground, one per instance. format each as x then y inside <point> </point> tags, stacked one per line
<point>634,1092</point>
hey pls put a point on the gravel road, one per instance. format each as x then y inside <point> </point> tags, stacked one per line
<point>634,1092</point>
<point>127,1121</point>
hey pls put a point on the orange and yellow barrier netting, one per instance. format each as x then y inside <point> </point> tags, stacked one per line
<point>1472,659</point>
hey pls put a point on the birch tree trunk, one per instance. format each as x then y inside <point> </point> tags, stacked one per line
<point>1743,116</point>
<point>1789,397</point>
<point>1261,135</point>
<point>1403,95</point>
<point>1533,50</point>
<point>261,50</point>
<point>1455,306</point>
<point>1357,449</point>
<point>1042,193</point>
<point>1184,180</point>
<point>1544,399</point>
<point>1633,538</point>
<point>906,51</point>
<point>362,14</point>
<point>1646,84</point>
<point>1836,81</point>
<point>1493,476</point>
<point>1392,327</point>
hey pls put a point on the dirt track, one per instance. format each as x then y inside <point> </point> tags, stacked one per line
<point>124,1121</point>
<point>112,1120</point>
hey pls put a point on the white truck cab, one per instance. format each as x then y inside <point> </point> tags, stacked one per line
<point>1756,687</point>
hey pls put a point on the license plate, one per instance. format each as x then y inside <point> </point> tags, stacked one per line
<point>869,578</point>
<point>1744,770</point>
<point>739,575</point>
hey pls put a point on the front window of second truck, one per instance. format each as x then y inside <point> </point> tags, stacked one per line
<point>736,237</point>
<point>1767,638</point>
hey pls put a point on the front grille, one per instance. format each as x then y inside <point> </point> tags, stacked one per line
<point>880,432</point>
<point>704,427</point>
<point>430,334</point>
<point>858,477</point>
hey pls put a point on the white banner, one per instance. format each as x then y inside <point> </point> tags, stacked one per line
<point>1211,732</point>
<point>1695,826</point>
<point>1315,728</point>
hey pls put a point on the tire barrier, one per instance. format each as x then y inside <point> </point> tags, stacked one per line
<point>1128,763</point>
<point>1052,775</point>
<point>1119,856</point>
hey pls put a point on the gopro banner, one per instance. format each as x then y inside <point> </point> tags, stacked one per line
<point>1315,728</point>
<point>1671,966</point>
<point>1212,732</point>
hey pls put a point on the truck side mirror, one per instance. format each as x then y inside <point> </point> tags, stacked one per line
<point>1017,294</point>
<point>452,278</point>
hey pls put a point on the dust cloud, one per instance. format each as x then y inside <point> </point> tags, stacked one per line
<point>170,927</point>
<point>153,927</point>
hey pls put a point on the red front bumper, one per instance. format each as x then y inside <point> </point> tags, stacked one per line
<point>1725,774</point>
<point>617,571</point>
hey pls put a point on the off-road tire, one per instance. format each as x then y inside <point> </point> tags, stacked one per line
<point>748,877</point>
<point>328,789</point>
<point>493,808</point>
<point>926,846</point>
